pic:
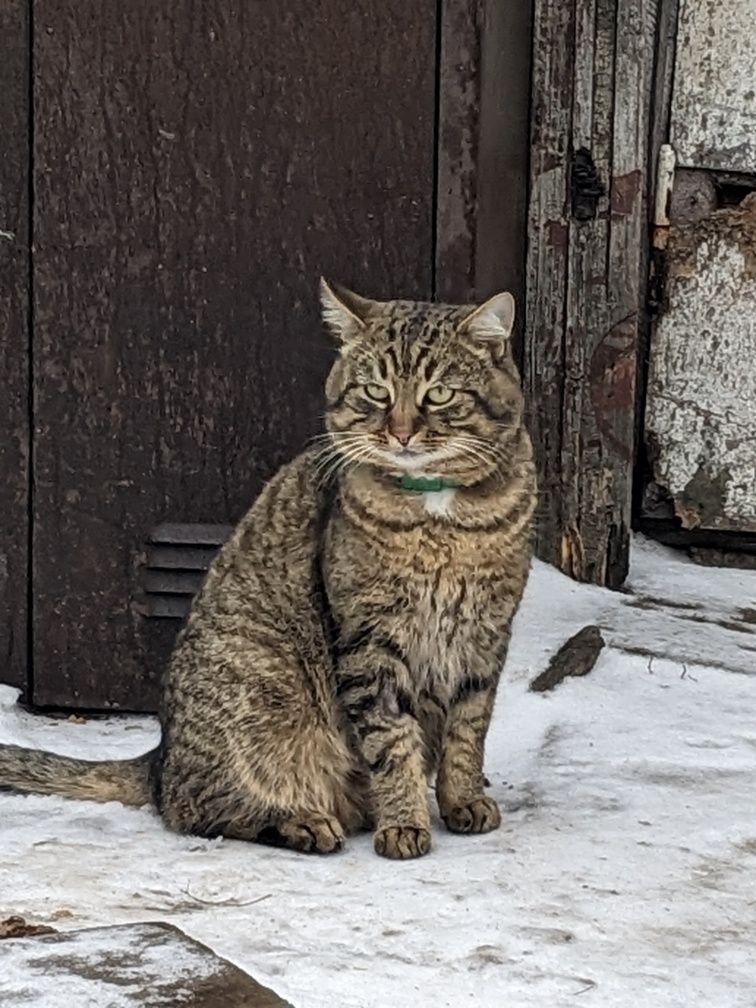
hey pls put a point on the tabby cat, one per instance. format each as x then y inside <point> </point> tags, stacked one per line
<point>348,639</point>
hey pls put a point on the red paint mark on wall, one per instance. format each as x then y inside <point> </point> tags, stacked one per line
<point>625,189</point>
<point>556,234</point>
<point>612,382</point>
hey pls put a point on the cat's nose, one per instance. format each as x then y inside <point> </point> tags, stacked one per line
<point>403,437</point>
<point>401,427</point>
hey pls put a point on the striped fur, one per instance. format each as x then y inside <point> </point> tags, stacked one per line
<point>347,643</point>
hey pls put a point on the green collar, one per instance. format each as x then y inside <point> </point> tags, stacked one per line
<point>425,484</point>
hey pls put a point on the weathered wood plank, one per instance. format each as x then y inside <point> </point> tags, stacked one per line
<point>582,461</point>
<point>197,166</point>
<point>548,230</point>
<point>616,363</point>
<point>14,340</point>
<point>592,83</point>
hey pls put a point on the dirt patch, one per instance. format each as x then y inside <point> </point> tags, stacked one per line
<point>17,927</point>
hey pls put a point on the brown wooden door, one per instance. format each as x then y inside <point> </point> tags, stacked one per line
<point>174,178</point>
<point>196,166</point>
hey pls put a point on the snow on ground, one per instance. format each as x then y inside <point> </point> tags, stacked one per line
<point>625,871</point>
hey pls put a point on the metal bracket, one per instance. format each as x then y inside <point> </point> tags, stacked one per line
<point>585,184</point>
<point>665,180</point>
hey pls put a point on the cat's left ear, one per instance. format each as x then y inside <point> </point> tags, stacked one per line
<point>344,312</point>
<point>489,326</point>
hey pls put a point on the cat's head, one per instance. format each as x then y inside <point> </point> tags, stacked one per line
<point>423,389</point>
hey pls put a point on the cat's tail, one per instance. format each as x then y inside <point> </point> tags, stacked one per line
<point>33,771</point>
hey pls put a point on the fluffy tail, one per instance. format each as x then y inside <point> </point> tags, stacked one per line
<point>35,772</point>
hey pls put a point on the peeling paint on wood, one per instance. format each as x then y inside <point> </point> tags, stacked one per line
<point>593,75</point>
<point>701,406</point>
<point>714,104</point>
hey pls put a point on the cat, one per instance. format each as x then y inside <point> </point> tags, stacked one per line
<point>347,642</point>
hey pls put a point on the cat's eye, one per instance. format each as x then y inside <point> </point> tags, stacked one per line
<point>378,393</point>
<point>439,395</point>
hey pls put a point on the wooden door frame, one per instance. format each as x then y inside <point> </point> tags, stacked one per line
<point>482,147</point>
<point>15,278</point>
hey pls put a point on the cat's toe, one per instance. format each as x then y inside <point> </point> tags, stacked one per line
<point>313,834</point>
<point>402,842</point>
<point>480,815</point>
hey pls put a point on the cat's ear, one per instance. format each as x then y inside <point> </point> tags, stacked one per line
<point>489,326</point>
<point>344,312</point>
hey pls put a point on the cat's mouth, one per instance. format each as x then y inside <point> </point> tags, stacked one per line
<point>413,459</point>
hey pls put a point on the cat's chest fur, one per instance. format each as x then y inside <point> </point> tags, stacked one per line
<point>439,503</point>
<point>437,630</point>
<point>410,568</point>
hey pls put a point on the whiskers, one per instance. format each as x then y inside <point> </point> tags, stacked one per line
<point>480,452</point>
<point>339,451</point>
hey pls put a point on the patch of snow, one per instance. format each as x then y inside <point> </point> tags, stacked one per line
<point>624,871</point>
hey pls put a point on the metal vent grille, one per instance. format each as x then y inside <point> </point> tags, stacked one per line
<point>178,557</point>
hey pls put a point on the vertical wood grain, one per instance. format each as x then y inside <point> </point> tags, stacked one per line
<point>501,236</point>
<point>483,150</point>
<point>548,247</point>
<point>593,83</point>
<point>197,167</point>
<point>458,149</point>
<point>14,338</point>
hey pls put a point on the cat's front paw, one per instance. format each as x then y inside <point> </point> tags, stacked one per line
<point>312,833</point>
<point>480,815</point>
<point>402,842</point>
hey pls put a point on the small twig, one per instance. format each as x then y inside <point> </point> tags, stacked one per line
<point>686,675</point>
<point>590,984</point>
<point>650,665</point>
<point>230,902</point>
